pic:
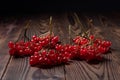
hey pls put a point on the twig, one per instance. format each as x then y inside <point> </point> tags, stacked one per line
<point>50,25</point>
<point>69,33</point>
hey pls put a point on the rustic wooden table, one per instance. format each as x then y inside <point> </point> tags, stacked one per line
<point>106,26</point>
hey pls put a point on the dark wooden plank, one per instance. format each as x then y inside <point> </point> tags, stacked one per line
<point>106,70</point>
<point>17,66</point>
<point>8,32</point>
<point>19,69</point>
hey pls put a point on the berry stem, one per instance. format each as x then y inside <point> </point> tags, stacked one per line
<point>50,28</point>
<point>50,24</point>
<point>69,33</point>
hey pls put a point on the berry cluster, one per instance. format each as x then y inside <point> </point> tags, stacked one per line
<point>91,48</point>
<point>48,58</point>
<point>43,51</point>
<point>51,54</point>
<point>21,48</point>
<point>48,50</point>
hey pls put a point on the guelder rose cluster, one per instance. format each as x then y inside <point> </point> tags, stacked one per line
<point>48,50</point>
<point>91,48</point>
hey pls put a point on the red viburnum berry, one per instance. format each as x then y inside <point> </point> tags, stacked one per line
<point>11,44</point>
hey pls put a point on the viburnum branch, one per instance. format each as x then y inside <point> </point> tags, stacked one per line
<point>82,27</point>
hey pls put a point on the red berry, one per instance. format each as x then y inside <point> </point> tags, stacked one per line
<point>91,37</point>
<point>34,36</point>
<point>12,52</point>
<point>36,54</point>
<point>101,49</point>
<point>55,39</point>
<point>43,53</point>
<point>11,44</point>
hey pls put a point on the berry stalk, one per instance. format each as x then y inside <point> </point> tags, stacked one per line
<point>50,25</point>
<point>69,33</point>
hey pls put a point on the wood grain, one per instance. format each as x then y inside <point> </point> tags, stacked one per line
<point>104,26</point>
<point>106,70</point>
<point>15,68</point>
<point>8,32</point>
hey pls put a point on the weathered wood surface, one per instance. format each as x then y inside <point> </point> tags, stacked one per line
<point>105,26</point>
<point>8,32</point>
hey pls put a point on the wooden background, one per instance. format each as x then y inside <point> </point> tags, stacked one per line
<point>105,26</point>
